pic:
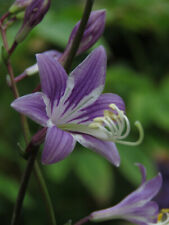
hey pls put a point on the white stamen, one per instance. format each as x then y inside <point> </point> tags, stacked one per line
<point>116,126</point>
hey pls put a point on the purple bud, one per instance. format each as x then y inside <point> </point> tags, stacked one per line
<point>19,5</point>
<point>92,33</point>
<point>33,15</point>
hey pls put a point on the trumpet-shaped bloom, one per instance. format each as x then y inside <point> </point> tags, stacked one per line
<point>73,108</point>
<point>136,207</point>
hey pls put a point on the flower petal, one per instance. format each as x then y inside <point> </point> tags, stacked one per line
<point>58,145</point>
<point>97,108</point>
<point>105,148</point>
<point>53,77</point>
<point>142,171</point>
<point>144,193</point>
<point>33,106</point>
<point>86,82</point>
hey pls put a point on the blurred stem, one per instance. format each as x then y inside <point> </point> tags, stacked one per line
<point>76,42</point>
<point>31,160</point>
<point>23,187</point>
<point>45,193</point>
<point>83,220</point>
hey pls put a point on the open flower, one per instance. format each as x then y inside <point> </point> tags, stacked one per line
<point>73,109</point>
<point>136,207</point>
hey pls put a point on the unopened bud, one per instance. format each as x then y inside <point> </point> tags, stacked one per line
<point>33,15</point>
<point>92,33</point>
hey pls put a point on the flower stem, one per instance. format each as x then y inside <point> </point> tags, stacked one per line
<point>45,194</point>
<point>83,220</point>
<point>23,187</point>
<point>76,42</point>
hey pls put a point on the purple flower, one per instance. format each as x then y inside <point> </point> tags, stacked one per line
<point>19,5</point>
<point>136,207</point>
<point>73,109</point>
<point>33,15</point>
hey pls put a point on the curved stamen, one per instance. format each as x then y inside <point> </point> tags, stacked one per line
<point>116,126</point>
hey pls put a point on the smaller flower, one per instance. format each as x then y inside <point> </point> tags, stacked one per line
<point>19,5</point>
<point>136,207</point>
<point>33,15</point>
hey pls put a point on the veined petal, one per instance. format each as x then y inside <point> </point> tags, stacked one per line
<point>53,77</point>
<point>144,193</point>
<point>86,82</point>
<point>97,108</point>
<point>104,148</point>
<point>33,106</point>
<point>58,145</point>
<point>137,207</point>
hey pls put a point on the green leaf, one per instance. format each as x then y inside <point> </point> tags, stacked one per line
<point>96,174</point>
<point>58,171</point>
<point>9,189</point>
<point>130,156</point>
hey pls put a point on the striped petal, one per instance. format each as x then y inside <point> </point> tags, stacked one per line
<point>104,148</point>
<point>53,77</point>
<point>58,145</point>
<point>97,109</point>
<point>86,82</point>
<point>33,106</point>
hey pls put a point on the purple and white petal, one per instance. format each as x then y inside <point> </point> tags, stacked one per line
<point>105,148</point>
<point>58,145</point>
<point>137,207</point>
<point>96,109</point>
<point>53,53</point>
<point>33,106</point>
<point>52,76</point>
<point>93,31</point>
<point>144,193</point>
<point>86,82</point>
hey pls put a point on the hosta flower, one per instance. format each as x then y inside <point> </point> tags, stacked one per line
<point>33,15</point>
<point>136,207</point>
<point>73,109</point>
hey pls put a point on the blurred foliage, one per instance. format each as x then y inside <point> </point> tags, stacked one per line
<point>136,38</point>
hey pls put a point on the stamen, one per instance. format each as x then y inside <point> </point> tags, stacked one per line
<point>116,126</point>
<point>163,217</point>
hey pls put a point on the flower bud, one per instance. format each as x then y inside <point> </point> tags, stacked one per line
<point>19,5</point>
<point>33,15</point>
<point>92,33</point>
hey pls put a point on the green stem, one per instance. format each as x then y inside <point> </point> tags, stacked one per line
<point>76,42</point>
<point>23,187</point>
<point>45,193</point>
